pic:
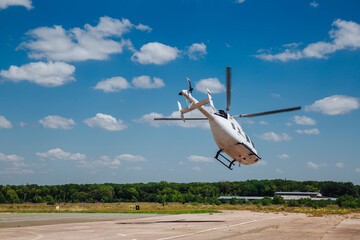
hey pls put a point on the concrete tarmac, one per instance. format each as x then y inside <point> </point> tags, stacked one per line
<point>225,225</point>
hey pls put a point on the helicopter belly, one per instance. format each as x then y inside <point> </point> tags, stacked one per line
<point>228,141</point>
<point>242,154</point>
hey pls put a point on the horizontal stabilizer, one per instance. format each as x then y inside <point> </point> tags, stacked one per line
<point>194,106</point>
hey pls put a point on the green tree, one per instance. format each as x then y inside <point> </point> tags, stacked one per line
<point>37,199</point>
<point>347,201</point>
<point>278,200</point>
<point>50,200</point>
<point>79,197</point>
<point>266,201</point>
<point>310,188</point>
<point>2,198</point>
<point>11,196</point>
<point>293,203</point>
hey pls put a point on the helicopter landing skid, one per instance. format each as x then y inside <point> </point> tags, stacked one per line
<point>231,163</point>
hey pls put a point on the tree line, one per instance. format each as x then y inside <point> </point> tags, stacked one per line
<point>201,192</point>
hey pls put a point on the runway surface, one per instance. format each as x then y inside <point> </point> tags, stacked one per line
<point>226,225</point>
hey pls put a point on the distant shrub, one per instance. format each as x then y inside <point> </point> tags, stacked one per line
<point>278,200</point>
<point>347,201</point>
<point>242,201</point>
<point>50,200</point>
<point>266,201</point>
<point>233,201</point>
<point>37,199</point>
<point>293,203</point>
<point>305,201</point>
<point>323,203</point>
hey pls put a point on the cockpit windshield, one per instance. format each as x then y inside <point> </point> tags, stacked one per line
<point>222,113</point>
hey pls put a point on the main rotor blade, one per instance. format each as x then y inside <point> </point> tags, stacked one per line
<point>268,112</point>
<point>180,119</point>
<point>228,88</point>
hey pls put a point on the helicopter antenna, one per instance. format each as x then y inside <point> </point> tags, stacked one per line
<point>228,88</point>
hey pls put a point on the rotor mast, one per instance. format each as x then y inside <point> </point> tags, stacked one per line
<point>228,89</point>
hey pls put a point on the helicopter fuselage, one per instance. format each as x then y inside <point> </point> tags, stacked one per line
<point>227,133</point>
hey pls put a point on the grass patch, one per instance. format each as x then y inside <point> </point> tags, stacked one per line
<point>140,212</point>
<point>170,208</point>
<point>146,208</point>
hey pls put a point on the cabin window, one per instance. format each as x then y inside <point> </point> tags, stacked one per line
<point>239,130</point>
<point>233,126</point>
<point>222,113</point>
<point>247,138</point>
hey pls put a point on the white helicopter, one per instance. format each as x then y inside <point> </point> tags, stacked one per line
<point>227,132</point>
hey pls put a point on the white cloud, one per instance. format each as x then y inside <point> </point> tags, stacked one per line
<point>149,118</point>
<point>283,156</point>
<point>134,168</point>
<point>284,56</point>
<point>196,51</point>
<point>275,95</point>
<point>334,105</point>
<point>8,3</point>
<point>59,154</point>
<point>313,131</point>
<point>263,122</point>
<point>343,35</point>
<point>89,43</point>
<point>357,170</point>
<point>278,170</point>
<point>274,137</point>
<point>57,122</point>
<point>10,158</point>
<point>109,162</point>
<point>303,120</point>
<point>143,27</point>
<point>145,82</point>
<point>196,169</point>
<point>246,121</point>
<point>4,123</point>
<point>16,171</point>
<point>51,74</point>
<point>22,124</point>
<point>106,122</point>
<point>114,84</point>
<point>314,4</point>
<point>130,158</point>
<point>155,53</point>
<point>340,164</point>
<point>103,161</point>
<point>197,159</point>
<point>315,166</point>
<point>213,84</point>
<point>181,163</point>
<point>261,163</point>
<point>239,1</point>
<point>17,162</point>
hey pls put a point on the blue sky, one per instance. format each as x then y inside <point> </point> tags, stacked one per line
<point>80,83</point>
